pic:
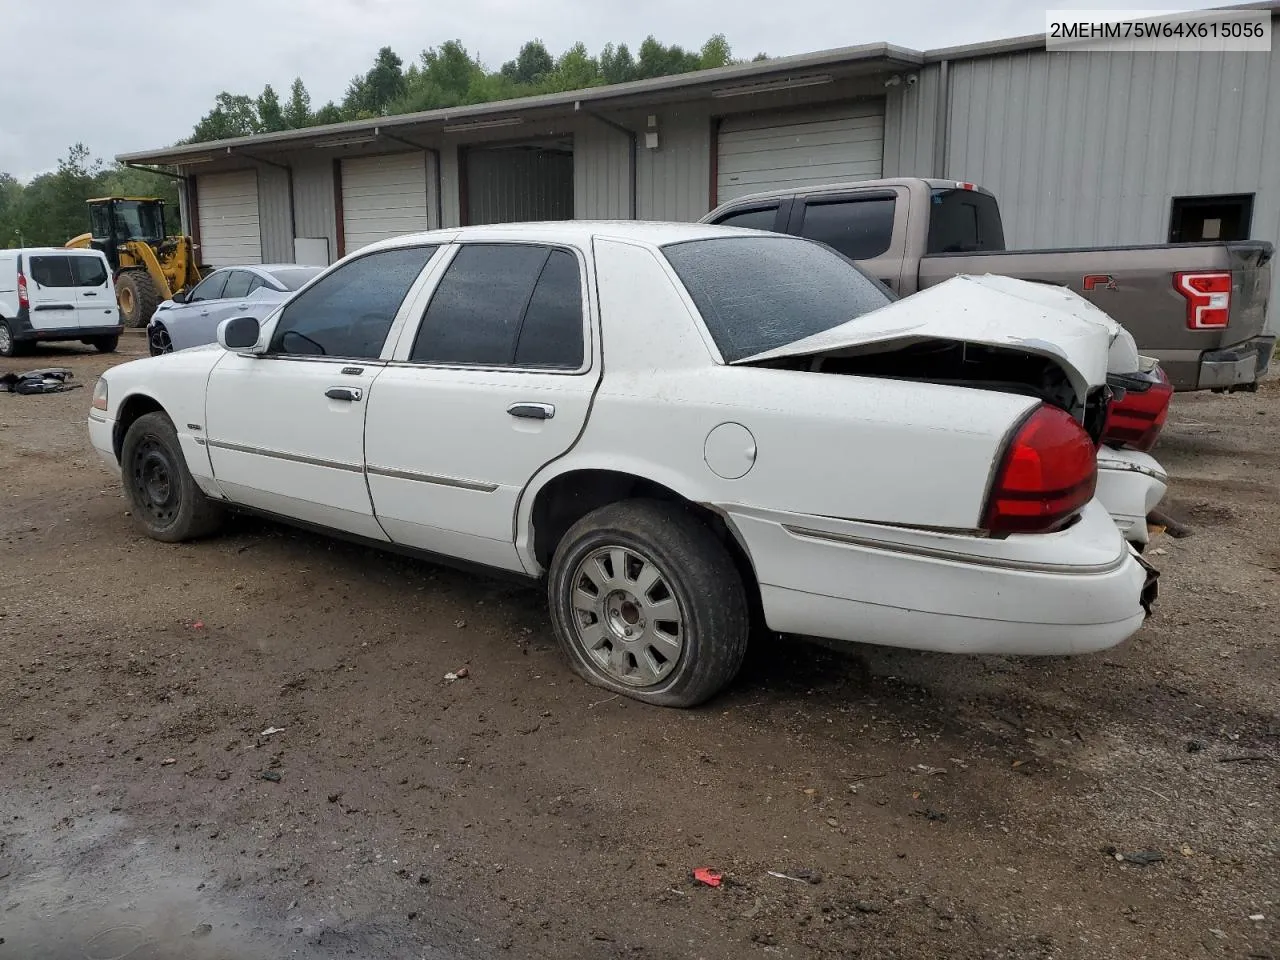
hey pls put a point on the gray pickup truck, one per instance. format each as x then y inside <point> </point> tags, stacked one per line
<point>1199,308</point>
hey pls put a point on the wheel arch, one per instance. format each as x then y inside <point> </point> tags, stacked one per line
<point>560,500</point>
<point>131,408</point>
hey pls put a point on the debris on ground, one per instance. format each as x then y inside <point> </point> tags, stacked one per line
<point>203,930</point>
<point>929,771</point>
<point>335,796</point>
<point>47,380</point>
<point>1141,858</point>
<point>271,731</point>
<point>867,906</point>
<point>168,761</point>
<point>1257,917</point>
<point>1195,746</point>
<point>460,674</point>
<point>799,876</point>
<point>271,776</point>
<point>707,876</point>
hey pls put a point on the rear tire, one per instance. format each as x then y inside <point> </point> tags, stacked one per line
<point>9,347</point>
<point>167,504</point>
<point>137,296</point>
<point>648,603</point>
<point>105,344</point>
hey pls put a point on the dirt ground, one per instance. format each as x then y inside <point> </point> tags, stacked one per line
<point>867,803</point>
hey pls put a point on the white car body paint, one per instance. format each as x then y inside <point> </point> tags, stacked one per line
<point>859,508</point>
<point>1131,484</point>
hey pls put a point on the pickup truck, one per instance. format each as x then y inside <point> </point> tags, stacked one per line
<point>1199,308</point>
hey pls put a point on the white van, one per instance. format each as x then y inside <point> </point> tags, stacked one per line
<point>54,293</point>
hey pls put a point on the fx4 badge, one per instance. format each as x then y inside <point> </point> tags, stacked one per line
<point>1100,281</point>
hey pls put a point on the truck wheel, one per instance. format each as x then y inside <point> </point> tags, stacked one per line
<point>105,344</point>
<point>166,502</point>
<point>137,296</point>
<point>646,602</point>
<point>9,347</point>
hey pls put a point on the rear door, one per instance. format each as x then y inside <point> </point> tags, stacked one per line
<point>492,382</point>
<point>51,288</point>
<point>95,298</point>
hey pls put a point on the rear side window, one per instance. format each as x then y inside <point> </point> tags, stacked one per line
<point>963,221</point>
<point>860,229</point>
<point>760,218</point>
<point>759,293</point>
<point>505,305</point>
<point>349,312</point>
<point>52,271</point>
<point>237,284</point>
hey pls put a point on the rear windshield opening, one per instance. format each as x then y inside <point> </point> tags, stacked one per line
<point>759,293</point>
<point>295,278</point>
<point>963,221</point>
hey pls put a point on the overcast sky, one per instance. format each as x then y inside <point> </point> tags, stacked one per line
<point>129,75</point>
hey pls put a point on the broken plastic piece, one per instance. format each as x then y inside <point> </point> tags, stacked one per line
<point>705,875</point>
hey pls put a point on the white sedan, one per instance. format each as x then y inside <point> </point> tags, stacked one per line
<point>680,428</point>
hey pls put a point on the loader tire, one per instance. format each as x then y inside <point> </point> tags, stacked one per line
<point>137,296</point>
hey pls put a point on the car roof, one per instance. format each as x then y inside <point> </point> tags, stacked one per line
<point>44,251</point>
<point>266,268</point>
<point>580,232</point>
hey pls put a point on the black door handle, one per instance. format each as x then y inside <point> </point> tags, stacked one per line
<point>349,394</point>
<point>90,293</point>
<point>532,411</point>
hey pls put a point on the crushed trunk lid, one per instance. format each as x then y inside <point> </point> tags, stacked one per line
<point>1001,312</point>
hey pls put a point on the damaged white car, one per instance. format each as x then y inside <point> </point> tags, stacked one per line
<point>684,430</point>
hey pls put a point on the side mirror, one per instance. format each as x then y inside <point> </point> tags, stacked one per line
<point>182,296</point>
<point>238,333</point>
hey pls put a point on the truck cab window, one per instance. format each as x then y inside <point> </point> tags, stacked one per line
<point>963,221</point>
<point>860,229</point>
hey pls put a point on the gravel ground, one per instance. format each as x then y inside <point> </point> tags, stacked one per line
<point>915,805</point>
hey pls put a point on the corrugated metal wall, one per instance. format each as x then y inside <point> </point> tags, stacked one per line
<point>910,121</point>
<point>1085,148</point>
<point>274,215</point>
<point>673,182</point>
<point>513,184</point>
<point>313,202</point>
<point>601,173</point>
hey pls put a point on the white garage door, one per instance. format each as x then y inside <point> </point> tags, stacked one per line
<point>383,197</point>
<point>229,230</point>
<point>800,148</point>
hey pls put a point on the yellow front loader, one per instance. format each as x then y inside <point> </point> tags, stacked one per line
<point>149,267</point>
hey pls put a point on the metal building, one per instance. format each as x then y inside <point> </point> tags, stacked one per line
<point>1080,148</point>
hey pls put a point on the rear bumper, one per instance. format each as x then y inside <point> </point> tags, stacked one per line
<point>69,333</point>
<point>1130,485</point>
<point>1236,367</point>
<point>1075,591</point>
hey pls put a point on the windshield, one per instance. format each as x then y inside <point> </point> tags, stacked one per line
<point>136,220</point>
<point>294,277</point>
<point>759,293</point>
<point>963,221</point>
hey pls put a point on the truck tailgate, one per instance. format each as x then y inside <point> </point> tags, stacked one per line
<point>1136,286</point>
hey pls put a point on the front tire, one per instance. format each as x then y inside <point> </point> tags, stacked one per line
<point>158,339</point>
<point>167,504</point>
<point>137,297</point>
<point>648,603</point>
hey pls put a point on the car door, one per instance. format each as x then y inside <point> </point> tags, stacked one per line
<point>285,428</point>
<point>51,291</point>
<point>234,301</point>
<point>95,303</point>
<point>492,383</point>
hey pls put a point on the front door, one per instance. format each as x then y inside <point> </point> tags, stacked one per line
<point>285,429</point>
<point>493,383</point>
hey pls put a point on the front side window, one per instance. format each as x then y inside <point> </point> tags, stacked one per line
<point>210,288</point>
<point>759,293</point>
<point>860,229</point>
<point>505,305</point>
<point>349,312</point>
<point>88,271</point>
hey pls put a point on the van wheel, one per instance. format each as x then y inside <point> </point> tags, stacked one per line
<point>105,344</point>
<point>9,347</point>
<point>646,602</point>
<point>166,502</point>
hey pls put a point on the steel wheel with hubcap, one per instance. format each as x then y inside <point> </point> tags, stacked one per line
<point>646,601</point>
<point>166,501</point>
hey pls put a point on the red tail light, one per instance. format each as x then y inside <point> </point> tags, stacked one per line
<point>24,302</point>
<point>1208,299</point>
<point>1048,474</point>
<point>1136,420</point>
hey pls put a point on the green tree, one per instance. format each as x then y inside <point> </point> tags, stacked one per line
<point>616,63</point>
<point>270,115</point>
<point>575,70</point>
<point>297,112</point>
<point>329,113</point>
<point>531,66</point>
<point>233,115</point>
<point>715,53</point>
<point>372,94</point>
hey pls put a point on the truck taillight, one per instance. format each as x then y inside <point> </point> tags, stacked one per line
<point>24,302</point>
<point>1208,299</point>
<point>1135,420</point>
<point>1048,473</point>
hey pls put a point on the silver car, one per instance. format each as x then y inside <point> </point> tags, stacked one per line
<point>191,318</point>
